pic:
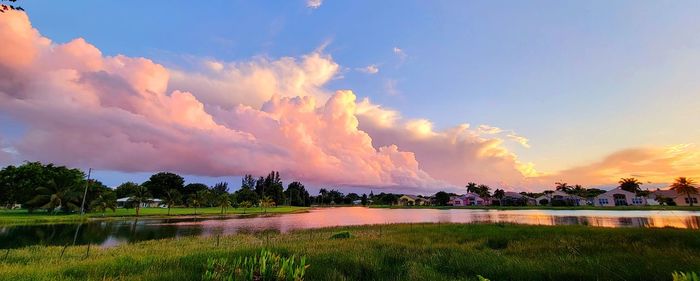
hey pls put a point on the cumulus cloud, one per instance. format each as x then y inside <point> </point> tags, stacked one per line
<point>121,113</point>
<point>314,4</point>
<point>255,82</point>
<point>457,155</point>
<point>370,69</point>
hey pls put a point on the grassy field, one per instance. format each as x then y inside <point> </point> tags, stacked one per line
<point>618,208</point>
<point>24,217</point>
<point>395,252</point>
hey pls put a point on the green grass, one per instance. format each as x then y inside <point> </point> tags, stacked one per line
<point>24,217</point>
<point>618,208</point>
<point>394,252</point>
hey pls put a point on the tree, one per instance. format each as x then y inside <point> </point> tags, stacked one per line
<point>323,193</point>
<point>245,205</point>
<point>563,187</point>
<point>630,184</point>
<point>266,202</point>
<point>499,194</point>
<point>193,188</point>
<point>245,194</point>
<point>686,186</point>
<point>484,191</point>
<point>549,193</point>
<point>442,198</point>
<point>223,201</point>
<point>126,189</point>
<point>161,182</point>
<point>139,196</point>
<point>172,197</point>
<point>297,194</point>
<point>364,199</point>
<point>472,188</point>
<point>61,191</point>
<point>271,186</point>
<point>196,199</point>
<point>104,201</point>
<point>220,188</point>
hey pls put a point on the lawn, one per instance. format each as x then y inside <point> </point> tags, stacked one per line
<point>617,208</point>
<point>24,217</point>
<point>394,252</point>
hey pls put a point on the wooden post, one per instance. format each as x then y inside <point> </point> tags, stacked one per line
<point>7,253</point>
<point>87,253</point>
<point>82,206</point>
<point>217,240</point>
<point>64,249</point>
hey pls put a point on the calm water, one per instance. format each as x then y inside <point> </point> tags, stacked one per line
<point>110,233</point>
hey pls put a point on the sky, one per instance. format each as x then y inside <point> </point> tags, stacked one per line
<point>413,96</point>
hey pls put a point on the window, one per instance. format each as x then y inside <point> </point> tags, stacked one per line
<point>694,200</point>
<point>637,201</point>
<point>603,201</point>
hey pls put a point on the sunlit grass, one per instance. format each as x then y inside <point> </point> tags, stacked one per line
<point>39,216</point>
<point>395,252</point>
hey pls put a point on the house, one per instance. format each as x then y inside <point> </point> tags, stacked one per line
<point>469,199</point>
<point>149,203</point>
<point>619,197</point>
<point>668,196</point>
<point>516,199</point>
<point>558,198</point>
<point>412,200</point>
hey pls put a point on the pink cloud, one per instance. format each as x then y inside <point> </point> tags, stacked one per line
<point>82,108</point>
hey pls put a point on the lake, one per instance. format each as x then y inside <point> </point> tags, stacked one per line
<point>115,232</point>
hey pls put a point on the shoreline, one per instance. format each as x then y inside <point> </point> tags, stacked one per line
<point>23,217</point>
<point>564,208</point>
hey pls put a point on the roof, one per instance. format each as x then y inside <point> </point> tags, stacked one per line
<point>516,195</point>
<point>617,190</point>
<point>665,193</point>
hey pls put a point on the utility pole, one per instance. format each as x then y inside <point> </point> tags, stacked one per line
<point>87,184</point>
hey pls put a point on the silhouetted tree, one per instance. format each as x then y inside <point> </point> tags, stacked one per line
<point>297,195</point>
<point>441,198</point>
<point>161,182</point>
<point>685,186</point>
<point>630,184</point>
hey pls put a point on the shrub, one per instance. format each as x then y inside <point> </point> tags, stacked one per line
<point>341,235</point>
<point>266,266</point>
<point>683,276</point>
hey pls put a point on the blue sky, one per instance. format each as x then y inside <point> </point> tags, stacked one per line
<point>579,79</point>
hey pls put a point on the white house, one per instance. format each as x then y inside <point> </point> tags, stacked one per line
<point>560,195</point>
<point>619,197</point>
<point>469,199</point>
<point>149,203</point>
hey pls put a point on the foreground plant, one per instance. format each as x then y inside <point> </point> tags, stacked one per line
<point>266,266</point>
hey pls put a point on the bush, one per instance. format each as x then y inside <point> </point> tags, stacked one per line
<point>267,266</point>
<point>341,235</point>
<point>683,276</point>
<point>544,202</point>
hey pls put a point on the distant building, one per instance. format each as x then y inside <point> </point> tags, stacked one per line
<point>560,197</point>
<point>149,203</point>
<point>619,197</point>
<point>516,199</point>
<point>412,200</point>
<point>469,199</point>
<point>673,196</point>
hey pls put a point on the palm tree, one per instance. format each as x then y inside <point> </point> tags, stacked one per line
<point>62,192</point>
<point>267,202</point>
<point>630,184</point>
<point>578,190</point>
<point>139,196</point>
<point>172,197</point>
<point>104,201</point>
<point>323,192</point>
<point>224,201</point>
<point>197,198</point>
<point>549,196</point>
<point>472,187</point>
<point>686,186</point>
<point>499,194</point>
<point>562,186</point>
<point>245,205</point>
